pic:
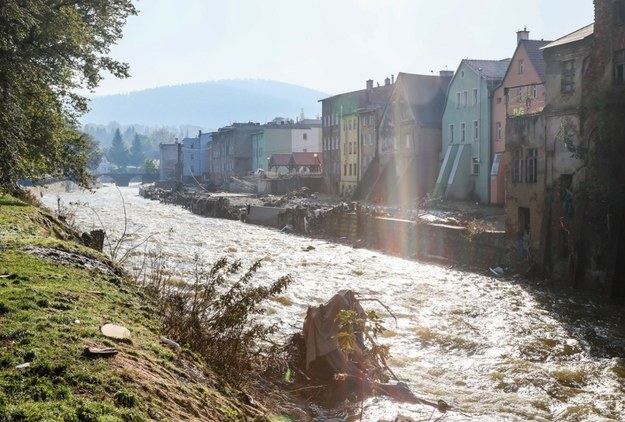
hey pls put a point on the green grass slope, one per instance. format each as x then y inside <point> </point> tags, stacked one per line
<point>54,296</point>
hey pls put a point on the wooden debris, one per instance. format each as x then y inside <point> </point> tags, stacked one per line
<point>100,351</point>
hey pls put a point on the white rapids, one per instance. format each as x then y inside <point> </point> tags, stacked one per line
<point>494,349</point>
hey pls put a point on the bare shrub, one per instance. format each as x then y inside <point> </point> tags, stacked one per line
<point>217,315</point>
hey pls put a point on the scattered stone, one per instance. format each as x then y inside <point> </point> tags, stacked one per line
<point>308,248</point>
<point>74,258</point>
<point>23,365</point>
<point>115,331</point>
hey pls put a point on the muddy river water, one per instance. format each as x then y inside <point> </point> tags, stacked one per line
<point>496,350</point>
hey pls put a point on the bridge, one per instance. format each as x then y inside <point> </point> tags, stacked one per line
<point>123,179</point>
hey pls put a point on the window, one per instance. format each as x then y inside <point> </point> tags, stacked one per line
<point>457,100</point>
<point>619,67</point>
<point>475,166</point>
<point>498,100</point>
<point>476,130</point>
<point>619,13</point>
<point>535,91</point>
<point>407,141</point>
<point>531,162</point>
<point>465,97</point>
<point>463,132</point>
<point>350,147</point>
<point>568,76</point>
<point>350,169</point>
<point>370,120</point>
<point>517,170</point>
<point>519,94</point>
<point>344,169</point>
<point>474,96</point>
<point>499,131</point>
<point>495,168</point>
<point>305,136</point>
<point>521,66</point>
<point>451,134</point>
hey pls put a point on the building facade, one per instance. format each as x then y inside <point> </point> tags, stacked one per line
<point>349,153</point>
<point>522,91</point>
<point>410,137</point>
<point>464,172</point>
<point>541,170</point>
<point>195,158</point>
<point>170,155</point>
<point>334,110</point>
<point>232,152</point>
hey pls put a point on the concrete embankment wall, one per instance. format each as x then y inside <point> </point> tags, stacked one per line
<point>438,242</point>
<point>399,237</point>
<point>265,216</point>
<point>406,238</point>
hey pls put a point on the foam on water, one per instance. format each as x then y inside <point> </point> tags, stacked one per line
<point>495,349</point>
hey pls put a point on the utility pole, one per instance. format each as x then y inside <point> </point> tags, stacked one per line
<point>179,163</point>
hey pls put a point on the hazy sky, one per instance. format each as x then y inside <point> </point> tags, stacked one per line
<point>333,46</point>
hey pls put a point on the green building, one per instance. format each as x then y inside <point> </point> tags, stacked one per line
<point>466,155</point>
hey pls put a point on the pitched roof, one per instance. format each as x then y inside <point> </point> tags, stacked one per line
<point>578,35</point>
<point>425,95</point>
<point>305,159</point>
<point>492,70</point>
<point>350,102</point>
<point>279,159</point>
<point>535,54</point>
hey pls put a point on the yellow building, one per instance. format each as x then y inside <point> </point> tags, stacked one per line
<point>349,153</point>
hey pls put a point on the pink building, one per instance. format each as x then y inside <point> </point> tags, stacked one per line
<point>522,91</point>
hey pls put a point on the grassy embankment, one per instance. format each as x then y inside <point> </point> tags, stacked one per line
<point>54,296</point>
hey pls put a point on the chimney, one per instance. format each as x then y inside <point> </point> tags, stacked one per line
<point>446,73</point>
<point>392,79</point>
<point>370,84</point>
<point>522,35</point>
<point>387,81</point>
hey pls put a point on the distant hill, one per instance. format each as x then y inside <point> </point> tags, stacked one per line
<point>207,104</point>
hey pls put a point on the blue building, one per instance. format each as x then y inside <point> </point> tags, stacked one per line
<point>195,157</point>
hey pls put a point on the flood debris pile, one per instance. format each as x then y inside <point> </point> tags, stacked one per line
<point>198,203</point>
<point>336,357</point>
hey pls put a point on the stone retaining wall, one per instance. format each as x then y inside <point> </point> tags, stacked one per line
<point>356,225</point>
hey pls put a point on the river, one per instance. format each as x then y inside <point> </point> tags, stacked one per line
<point>496,350</point>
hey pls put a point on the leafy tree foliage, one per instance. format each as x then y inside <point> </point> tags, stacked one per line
<point>137,154</point>
<point>49,50</point>
<point>150,166</point>
<point>118,153</point>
